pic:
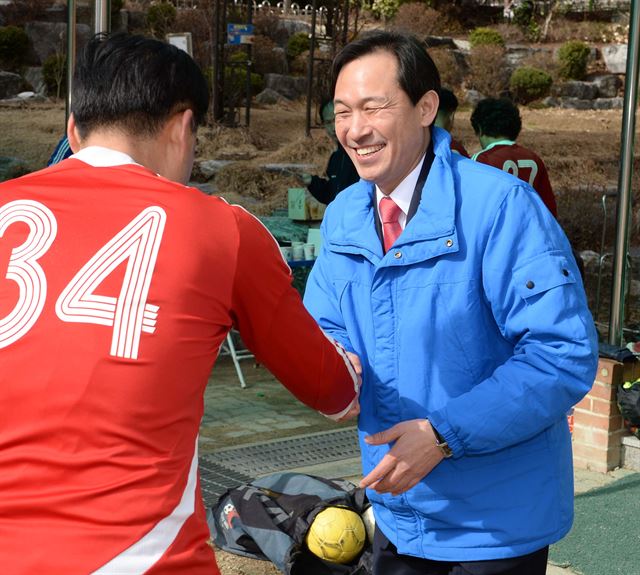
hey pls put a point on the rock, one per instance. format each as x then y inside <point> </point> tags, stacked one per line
<point>439,42</point>
<point>576,103</point>
<point>615,58</point>
<point>10,84</point>
<point>589,258</point>
<point>12,168</point>
<point>550,101</point>
<point>206,188</point>
<point>463,45</point>
<point>33,76</point>
<point>608,85</point>
<point>294,26</point>
<point>472,97</point>
<point>608,103</point>
<point>269,96</point>
<point>298,168</point>
<point>517,55</point>
<point>207,169</point>
<point>291,87</point>
<point>49,38</point>
<point>576,89</point>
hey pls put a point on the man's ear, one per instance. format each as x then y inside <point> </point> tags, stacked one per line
<point>183,128</point>
<point>428,106</point>
<point>72,135</point>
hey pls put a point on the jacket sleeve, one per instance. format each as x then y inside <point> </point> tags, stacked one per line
<point>321,299</point>
<point>273,323</point>
<point>533,288</point>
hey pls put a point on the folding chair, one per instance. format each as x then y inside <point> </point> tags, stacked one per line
<point>237,353</point>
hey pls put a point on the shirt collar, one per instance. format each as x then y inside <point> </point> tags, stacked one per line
<point>499,143</point>
<point>403,193</point>
<point>100,157</point>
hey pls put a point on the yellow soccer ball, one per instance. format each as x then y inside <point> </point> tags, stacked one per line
<point>336,535</point>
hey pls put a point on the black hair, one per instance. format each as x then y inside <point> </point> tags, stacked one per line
<point>417,72</point>
<point>448,101</point>
<point>323,104</point>
<point>135,84</point>
<point>496,117</point>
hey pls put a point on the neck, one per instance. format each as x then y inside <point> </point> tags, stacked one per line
<point>488,140</point>
<point>140,149</point>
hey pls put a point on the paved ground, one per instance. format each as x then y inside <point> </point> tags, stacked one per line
<point>265,411</point>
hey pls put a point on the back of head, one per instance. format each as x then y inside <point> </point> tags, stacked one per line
<point>448,101</point>
<point>417,73</point>
<point>135,84</point>
<point>497,118</point>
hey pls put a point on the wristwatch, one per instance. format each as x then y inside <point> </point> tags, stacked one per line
<point>442,444</point>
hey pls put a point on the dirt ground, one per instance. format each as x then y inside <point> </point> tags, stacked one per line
<point>578,146</point>
<point>580,149</point>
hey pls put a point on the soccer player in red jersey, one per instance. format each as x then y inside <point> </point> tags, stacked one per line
<point>118,284</point>
<point>497,123</point>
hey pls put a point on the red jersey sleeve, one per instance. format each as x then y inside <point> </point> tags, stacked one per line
<point>275,326</point>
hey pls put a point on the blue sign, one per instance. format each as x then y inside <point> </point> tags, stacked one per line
<point>240,33</point>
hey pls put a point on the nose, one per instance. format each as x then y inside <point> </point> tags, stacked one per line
<point>359,127</point>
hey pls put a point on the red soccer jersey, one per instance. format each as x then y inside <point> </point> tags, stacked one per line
<point>120,287</point>
<point>457,146</point>
<point>522,163</point>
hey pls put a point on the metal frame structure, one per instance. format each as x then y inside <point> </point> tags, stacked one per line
<point>314,39</point>
<point>621,250</point>
<point>219,60</point>
<point>101,23</point>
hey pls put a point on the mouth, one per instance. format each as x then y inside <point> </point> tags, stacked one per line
<point>368,150</point>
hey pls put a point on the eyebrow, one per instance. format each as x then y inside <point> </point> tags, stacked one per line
<point>375,99</point>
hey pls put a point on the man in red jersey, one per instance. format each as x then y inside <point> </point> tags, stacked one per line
<point>120,285</point>
<point>497,123</point>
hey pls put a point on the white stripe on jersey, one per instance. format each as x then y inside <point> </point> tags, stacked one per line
<point>145,553</point>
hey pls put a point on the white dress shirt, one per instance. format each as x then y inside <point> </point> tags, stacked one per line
<point>403,193</point>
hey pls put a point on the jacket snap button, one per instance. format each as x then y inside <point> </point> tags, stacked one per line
<point>449,243</point>
<point>530,284</point>
<point>565,272</point>
<point>397,255</point>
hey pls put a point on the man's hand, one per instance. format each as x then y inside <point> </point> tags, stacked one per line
<point>413,455</point>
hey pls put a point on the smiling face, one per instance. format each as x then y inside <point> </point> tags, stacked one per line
<point>377,124</point>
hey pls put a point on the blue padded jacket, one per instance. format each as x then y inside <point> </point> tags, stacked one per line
<point>477,320</point>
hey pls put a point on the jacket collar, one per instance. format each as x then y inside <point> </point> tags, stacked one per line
<point>352,228</point>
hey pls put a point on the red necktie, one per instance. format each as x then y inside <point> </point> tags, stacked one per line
<point>389,214</point>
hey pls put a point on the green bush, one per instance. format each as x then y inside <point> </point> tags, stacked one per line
<point>573,56</point>
<point>14,44</point>
<point>528,84</point>
<point>485,37</point>
<point>385,9</point>
<point>297,44</point>
<point>160,18</point>
<point>54,74</point>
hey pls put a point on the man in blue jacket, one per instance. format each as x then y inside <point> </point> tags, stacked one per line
<point>471,324</point>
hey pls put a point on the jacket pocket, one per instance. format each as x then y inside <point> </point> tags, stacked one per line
<point>543,273</point>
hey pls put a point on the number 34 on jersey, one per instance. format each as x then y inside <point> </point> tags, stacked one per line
<point>128,314</point>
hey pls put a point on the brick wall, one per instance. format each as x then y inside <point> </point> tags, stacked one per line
<point>598,428</point>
